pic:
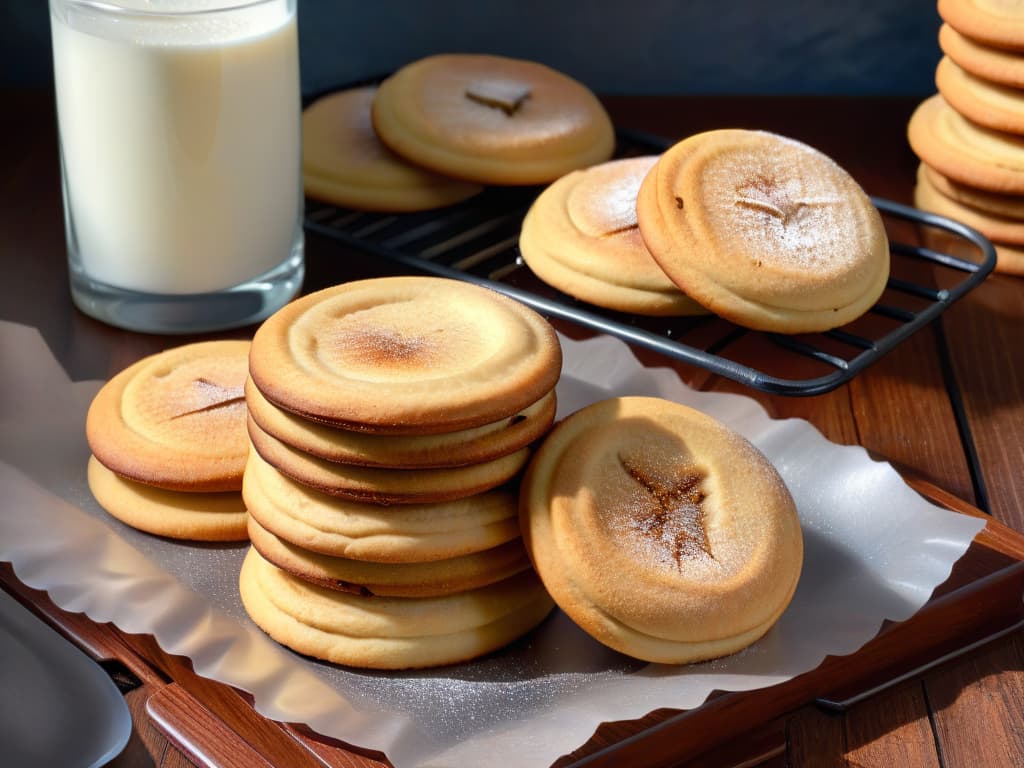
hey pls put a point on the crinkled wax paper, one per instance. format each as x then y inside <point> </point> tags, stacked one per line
<point>874,550</point>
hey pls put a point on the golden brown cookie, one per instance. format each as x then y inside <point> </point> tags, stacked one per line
<point>402,533</point>
<point>964,151</point>
<point>491,120</point>
<point>344,163</point>
<point>1000,229</point>
<point>405,355</point>
<point>581,236</point>
<point>451,449</point>
<point>176,420</point>
<point>993,64</point>
<point>175,514</point>
<point>389,632</point>
<point>994,106</point>
<point>1009,253</point>
<point>1010,206</point>
<point>764,231</point>
<point>662,533</point>
<point>386,486</point>
<point>991,22</point>
<point>428,579</point>
<point>1009,259</point>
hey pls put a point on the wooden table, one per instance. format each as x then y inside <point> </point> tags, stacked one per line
<point>968,711</point>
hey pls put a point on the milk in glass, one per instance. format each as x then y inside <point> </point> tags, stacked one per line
<point>179,130</point>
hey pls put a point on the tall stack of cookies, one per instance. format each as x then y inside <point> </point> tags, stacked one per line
<point>970,135</point>
<point>390,420</point>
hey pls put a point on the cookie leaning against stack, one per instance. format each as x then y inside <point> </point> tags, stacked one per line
<point>169,442</point>
<point>389,418</point>
<point>659,531</point>
<point>970,136</point>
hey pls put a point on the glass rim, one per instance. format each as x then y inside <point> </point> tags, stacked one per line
<point>113,8</point>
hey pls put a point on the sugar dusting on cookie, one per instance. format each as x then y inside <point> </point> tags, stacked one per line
<point>206,395</point>
<point>783,205</point>
<point>603,202</point>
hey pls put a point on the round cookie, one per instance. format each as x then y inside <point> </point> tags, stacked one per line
<point>994,106</point>
<point>389,632</point>
<point>991,22</point>
<point>1009,259</point>
<point>996,228</point>
<point>1010,206</point>
<point>344,163</point>
<point>175,514</point>
<point>964,151</point>
<point>451,449</point>
<point>405,355</point>
<point>491,120</point>
<point>430,579</point>
<point>1009,255</point>
<point>581,236</point>
<point>993,64</point>
<point>662,533</point>
<point>176,420</point>
<point>386,486</point>
<point>358,531</point>
<point>764,231</point>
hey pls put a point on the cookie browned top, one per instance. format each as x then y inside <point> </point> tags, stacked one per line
<point>993,22</point>
<point>176,419</point>
<point>764,231</point>
<point>492,119</point>
<point>660,531</point>
<point>405,355</point>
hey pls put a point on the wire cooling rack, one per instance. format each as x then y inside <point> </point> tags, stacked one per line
<point>477,241</point>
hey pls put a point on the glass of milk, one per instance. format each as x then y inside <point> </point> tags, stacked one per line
<point>181,163</point>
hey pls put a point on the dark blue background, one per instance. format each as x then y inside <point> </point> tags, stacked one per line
<point>883,47</point>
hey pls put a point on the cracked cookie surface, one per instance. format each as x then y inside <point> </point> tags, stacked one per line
<point>176,420</point>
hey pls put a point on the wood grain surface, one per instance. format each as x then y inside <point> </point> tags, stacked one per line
<point>947,407</point>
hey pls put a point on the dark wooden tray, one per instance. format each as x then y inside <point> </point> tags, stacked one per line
<point>216,725</point>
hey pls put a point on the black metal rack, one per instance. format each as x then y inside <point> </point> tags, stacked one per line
<point>476,241</point>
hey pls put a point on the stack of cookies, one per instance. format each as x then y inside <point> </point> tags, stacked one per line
<point>442,127</point>
<point>390,420</point>
<point>169,445</point>
<point>970,136</point>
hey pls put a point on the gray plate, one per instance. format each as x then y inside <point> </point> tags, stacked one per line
<point>57,707</point>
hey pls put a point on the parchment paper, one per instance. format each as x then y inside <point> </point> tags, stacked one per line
<point>874,550</point>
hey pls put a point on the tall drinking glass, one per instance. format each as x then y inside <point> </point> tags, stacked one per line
<point>180,148</point>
